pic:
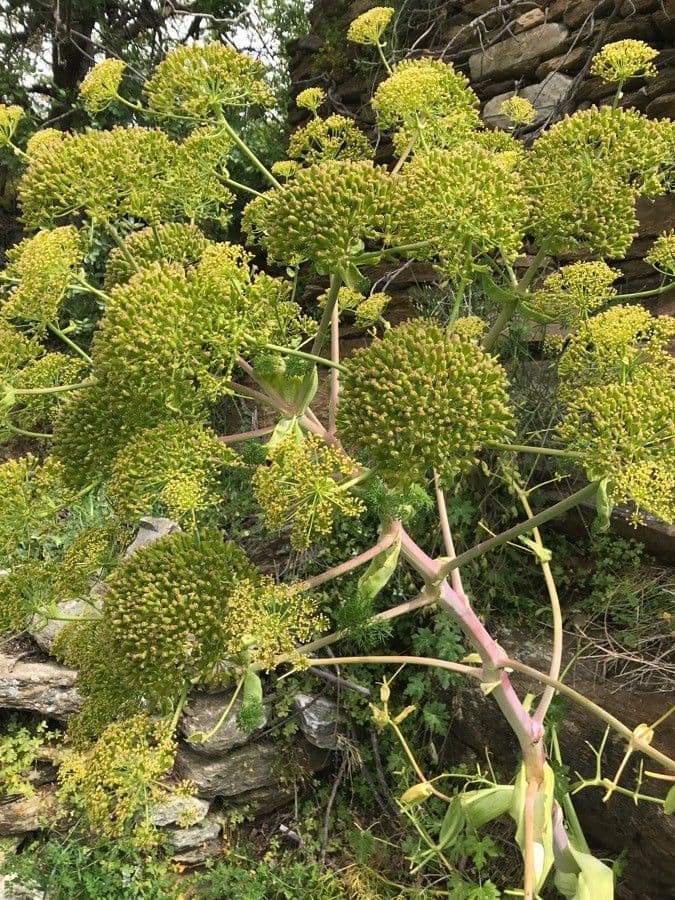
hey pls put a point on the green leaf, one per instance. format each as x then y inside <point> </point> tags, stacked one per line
<point>669,805</point>
<point>498,294</point>
<point>380,570</point>
<point>593,880</point>
<point>285,428</point>
<point>485,804</point>
<point>604,506</point>
<point>543,820</point>
<point>534,315</point>
<point>253,688</point>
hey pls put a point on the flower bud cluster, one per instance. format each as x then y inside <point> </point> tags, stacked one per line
<point>311,99</point>
<point>300,487</point>
<point>323,213</point>
<point>463,205</point>
<point>616,345</point>
<point>427,102</point>
<point>369,27</point>
<point>470,327</point>
<point>519,110</point>
<point>10,116</point>
<point>174,242</point>
<point>574,291</point>
<point>268,619</point>
<point>418,399</point>
<point>100,85</point>
<point>34,412</point>
<point>172,469</point>
<point>43,266</point>
<point>16,349</point>
<point>622,60</point>
<point>662,253</point>
<point>335,137</point>
<point>585,174</point>
<point>167,609</point>
<point>200,81</point>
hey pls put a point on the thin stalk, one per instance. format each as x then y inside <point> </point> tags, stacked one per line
<point>598,711</point>
<point>557,650</point>
<point>319,360</point>
<point>538,451</point>
<point>228,709</point>
<point>567,804</point>
<point>426,661</point>
<point>407,150</point>
<point>337,368</point>
<point>249,154</point>
<point>57,389</point>
<point>82,282</point>
<point>361,559</point>
<point>504,317</point>
<point>510,534</point>
<point>242,436</point>
<point>527,278</point>
<point>115,235</point>
<point>277,399</point>
<point>22,432</point>
<point>317,344</point>
<point>243,391</point>
<point>421,777</point>
<point>230,182</point>
<point>456,578</point>
<point>385,61</point>
<point>651,293</point>
<point>376,255</point>
<point>66,340</point>
<point>179,709</point>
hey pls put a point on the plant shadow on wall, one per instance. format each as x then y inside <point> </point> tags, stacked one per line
<point>381,498</point>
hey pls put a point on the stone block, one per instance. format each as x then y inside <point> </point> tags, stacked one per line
<point>318,717</point>
<point>544,96</point>
<point>527,20</point>
<point>202,714</point>
<point>569,63</point>
<point>179,809</point>
<point>577,13</point>
<point>46,688</point>
<point>45,634</point>
<point>662,107</point>
<point>151,529</point>
<point>518,53</point>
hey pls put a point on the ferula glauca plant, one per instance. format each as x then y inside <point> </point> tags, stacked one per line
<point>188,320</point>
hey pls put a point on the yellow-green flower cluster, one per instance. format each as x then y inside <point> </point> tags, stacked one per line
<point>585,174</point>
<point>195,179</point>
<point>16,349</point>
<point>202,80</point>
<point>100,85</point>
<point>22,589</point>
<point>418,399</point>
<point>35,411</point>
<point>622,60</point>
<point>311,99</point>
<point>662,253</point>
<point>111,785</point>
<point>43,266</point>
<point>323,214</point>
<point>167,609</point>
<point>10,116</point>
<point>519,110</point>
<point>367,310</point>
<point>173,242</point>
<point>301,486</point>
<point>428,103</point>
<point>625,433</point>
<point>172,469</point>
<point>574,291</point>
<point>268,619</point>
<point>463,205</point>
<point>369,27</point>
<point>285,168</point>
<point>507,151</point>
<point>470,327</point>
<point>616,346</point>
<point>335,137</point>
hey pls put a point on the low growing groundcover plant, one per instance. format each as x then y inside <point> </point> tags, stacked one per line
<point>185,320</point>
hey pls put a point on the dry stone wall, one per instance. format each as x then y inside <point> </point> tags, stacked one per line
<point>540,50</point>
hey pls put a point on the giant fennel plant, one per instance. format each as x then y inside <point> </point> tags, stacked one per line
<point>189,320</point>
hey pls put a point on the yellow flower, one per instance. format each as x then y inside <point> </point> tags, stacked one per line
<point>101,85</point>
<point>9,119</point>
<point>310,98</point>
<point>621,60</point>
<point>369,27</point>
<point>519,110</point>
<point>662,253</point>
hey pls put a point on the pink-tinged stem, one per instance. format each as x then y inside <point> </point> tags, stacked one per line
<point>528,732</point>
<point>242,436</point>
<point>276,398</point>
<point>385,541</point>
<point>335,372</point>
<point>455,576</point>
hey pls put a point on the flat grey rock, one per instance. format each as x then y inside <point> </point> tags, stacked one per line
<point>202,714</point>
<point>512,55</point>
<point>47,688</point>
<point>318,718</point>
<point>242,769</point>
<point>179,809</point>
<point>45,635</point>
<point>544,96</point>
<point>191,838</point>
<point>151,529</point>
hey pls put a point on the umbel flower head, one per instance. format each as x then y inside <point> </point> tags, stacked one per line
<point>35,412</point>
<point>616,346</point>
<point>369,27</point>
<point>463,205</point>
<point>174,242</point>
<point>100,85</point>
<point>367,310</point>
<point>625,433</point>
<point>311,99</point>
<point>335,137</point>
<point>268,619</point>
<point>43,266</point>
<point>428,103</point>
<point>585,174</point>
<point>10,116</point>
<point>172,469</point>
<point>201,80</point>
<point>16,349</point>
<point>304,485</point>
<point>323,214</point>
<point>622,60</point>
<point>519,110</point>
<point>167,609</point>
<point>662,253</point>
<point>470,327</point>
<point>574,291</point>
<point>418,399</point>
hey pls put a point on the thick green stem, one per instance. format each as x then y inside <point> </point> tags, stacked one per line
<point>376,255</point>
<point>57,389</point>
<point>322,331</point>
<point>22,432</point>
<point>320,360</point>
<point>385,61</point>
<point>502,320</point>
<point>249,154</point>
<point>115,235</point>
<point>538,451</point>
<point>654,292</point>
